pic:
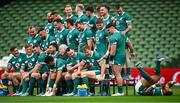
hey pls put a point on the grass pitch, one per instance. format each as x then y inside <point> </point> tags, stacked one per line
<point>94,99</point>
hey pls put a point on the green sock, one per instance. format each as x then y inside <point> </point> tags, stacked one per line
<point>144,74</point>
<point>51,83</point>
<point>20,88</point>
<point>110,71</point>
<point>120,88</point>
<point>85,80</point>
<point>16,87</point>
<point>32,84</point>
<point>157,69</point>
<point>76,83</point>
<point>92,88</point>
<point>43,88</point>
<point>122,72</point>
<point>5,82</point>
<point>69,86</point>
<point>24,85</point>
<point>128,71</point>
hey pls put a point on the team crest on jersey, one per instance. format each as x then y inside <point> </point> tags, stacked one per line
<point>47,31</point>
<point>117,23</point>
<point>57,40</point>
<point>29,64</point>
<point>17,65</point>
<point>97,39</point>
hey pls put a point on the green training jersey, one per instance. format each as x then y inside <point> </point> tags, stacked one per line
<point>72,39</point>
<point>119,40</point>
<point>34,40</point>
<point>30,62</point>
<point>58,66</point>
<point>92,24</point>
<point>157,91</point>
<point>102,41</point>
<point>16,62</point>
<point>122,21</point>
<point>93,61</point>
<point>83,19</point>
<point>45,43</point>
<point>55,55</point>
<point>107,20</point>
<point>73,17</point>
<point>41,59</point>
<point>75,60</point>
<point>83,38</point>
<point>50,28</point>
<point>60,36</point>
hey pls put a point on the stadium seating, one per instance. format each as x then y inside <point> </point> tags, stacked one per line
<point>155,23</point>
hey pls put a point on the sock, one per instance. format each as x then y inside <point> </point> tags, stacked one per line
<point>76,83</point>
<point>24,86</point>
<point>69,86</point>
<point>120,89</point>
<point>122,72</point>
<point>157,69</point>
<point>92,88</point>
<point>128,71</point>
<point>51,83</point>
<point>32,84</point>
<point>5,82</point>
<point>16,87</point>
<point>43,88</point>
<point>20,88</point>
<point>42,85</point>
<point>110,71</point>
<point>144,74</point>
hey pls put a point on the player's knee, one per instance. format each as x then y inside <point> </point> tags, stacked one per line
<point>44,76</point>
<point>68,76</point>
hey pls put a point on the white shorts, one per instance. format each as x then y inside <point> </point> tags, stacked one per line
<point>137,86</point>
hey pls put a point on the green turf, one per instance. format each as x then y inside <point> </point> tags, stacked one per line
<point>129,99</point>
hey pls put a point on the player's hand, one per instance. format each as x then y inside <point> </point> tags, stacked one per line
<point>59,17</point>
<point>26,75</point>
<point>100,78</point>
<point>78,73</point>
<point>123,32</point>
<point>133,55</point>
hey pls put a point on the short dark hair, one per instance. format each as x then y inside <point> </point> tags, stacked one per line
<point>90,8</point>
<point>41,29</point>
<point>36,45</point>
<point>54,45</point>
<point>99,20</point>
<point>53,13</point>
<point>12,48</point>
<point>70,21</point>
<point>110,25</point>
<point>118,6</point>
<point>58,21</point>
<point>107,7</point>
<point>48,59</point>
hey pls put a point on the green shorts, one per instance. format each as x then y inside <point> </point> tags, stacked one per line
<point>119,60</point>
<point>44,69</point>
